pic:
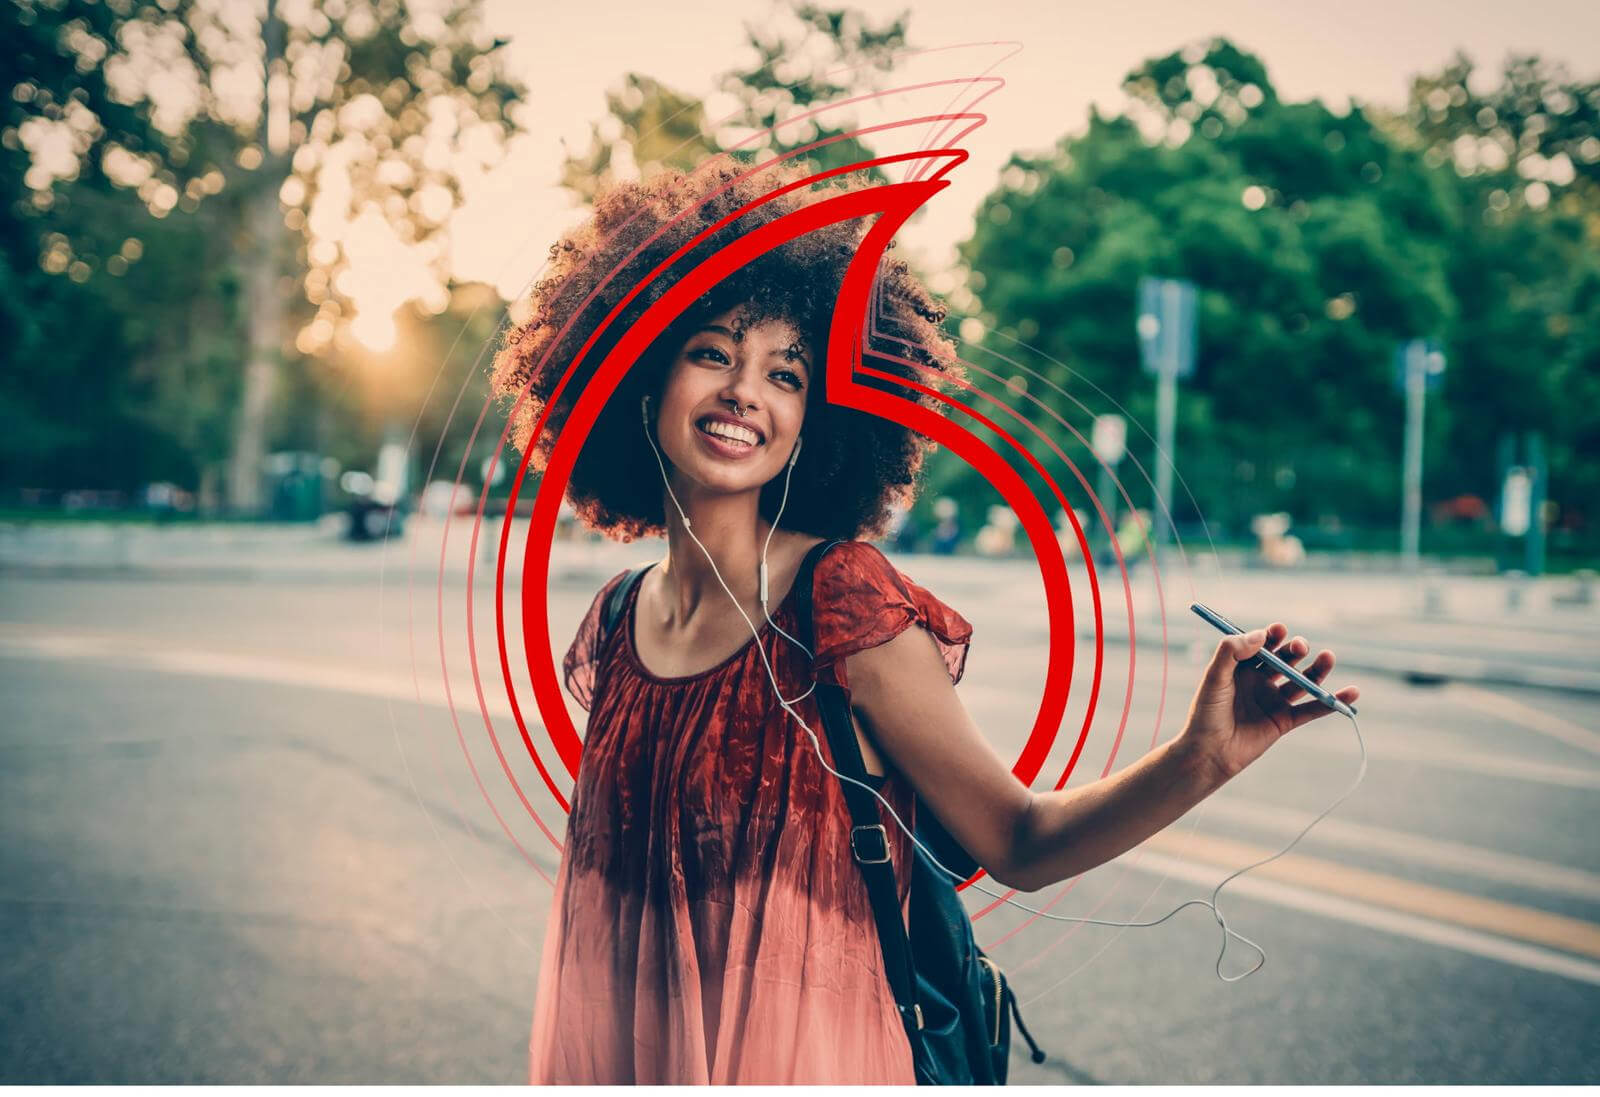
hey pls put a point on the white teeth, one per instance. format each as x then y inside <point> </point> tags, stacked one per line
<point>730,432</point>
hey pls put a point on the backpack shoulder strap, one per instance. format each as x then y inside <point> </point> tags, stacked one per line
<point>619,599</point>
<point>869,839</point>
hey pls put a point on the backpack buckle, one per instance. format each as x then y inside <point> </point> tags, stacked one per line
<point>881,854</point>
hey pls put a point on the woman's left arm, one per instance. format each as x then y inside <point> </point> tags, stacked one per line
<point>1029,840</point>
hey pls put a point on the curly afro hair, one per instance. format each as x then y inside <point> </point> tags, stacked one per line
<point>854,467</point>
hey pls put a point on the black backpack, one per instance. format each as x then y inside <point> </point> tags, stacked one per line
<point>955,1002</point>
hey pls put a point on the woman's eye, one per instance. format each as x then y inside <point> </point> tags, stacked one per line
<point>794,378</point>
<point>705,352</point>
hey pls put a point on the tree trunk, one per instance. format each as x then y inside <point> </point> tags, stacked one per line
<point>265,307</point>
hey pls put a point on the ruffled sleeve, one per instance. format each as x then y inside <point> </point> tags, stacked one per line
<point>583,658</point>
<point>861,600</point>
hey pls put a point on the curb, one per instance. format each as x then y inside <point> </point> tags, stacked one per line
<point>1437,669</point>
<point>1404,664</point>
<point>1425,669</point>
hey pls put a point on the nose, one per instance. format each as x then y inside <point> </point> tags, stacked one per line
<point>741,390</point>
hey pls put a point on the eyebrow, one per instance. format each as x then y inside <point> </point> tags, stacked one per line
<point>736,338</point>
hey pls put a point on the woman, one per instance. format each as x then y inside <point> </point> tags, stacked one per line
<point>709,923</point>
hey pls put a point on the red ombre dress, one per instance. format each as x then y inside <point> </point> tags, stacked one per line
<point>709,923</point>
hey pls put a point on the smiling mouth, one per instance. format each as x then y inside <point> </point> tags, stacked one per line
<point>726,435</point>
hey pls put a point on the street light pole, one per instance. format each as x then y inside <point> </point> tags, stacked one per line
<point>1411,486</point>
<point>1539,472</point>
<point>1166,328</point>
<point>1421,364</point>
<point>1166,425</point>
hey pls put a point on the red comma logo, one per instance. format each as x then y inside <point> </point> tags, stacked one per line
<point>849,356</point>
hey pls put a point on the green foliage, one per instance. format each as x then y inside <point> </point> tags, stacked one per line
<point>1526,263</point>
<point>822,56</point>
<point>1319,242</point>
<point>655,127</point>
<point>127,319</point>
<point>64,406</point>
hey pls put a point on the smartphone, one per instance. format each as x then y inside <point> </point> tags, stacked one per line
<point>1266,660</point>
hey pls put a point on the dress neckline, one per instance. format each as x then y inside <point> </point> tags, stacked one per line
<point>632,648</point>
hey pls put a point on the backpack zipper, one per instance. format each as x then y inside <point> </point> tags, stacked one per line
<point>994,972</point>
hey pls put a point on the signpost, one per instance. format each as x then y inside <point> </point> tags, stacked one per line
<point>1109,440</point>
<point>1522,491</point>
<point>1166,327</point>
<point>1419,365</point>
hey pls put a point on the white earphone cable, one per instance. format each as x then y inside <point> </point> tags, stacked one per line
<point>787,706</point>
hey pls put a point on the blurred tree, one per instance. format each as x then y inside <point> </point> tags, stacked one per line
<point>60,120</point>
<point>803,56</point>
<point>1538,123</point>
<point>647,125</point>
<point>376,390</point>
<point>342,133</point>
<point>1317,243</point>
<point>170,296</point>
<point>365,111</point>
<point>1525,267</point>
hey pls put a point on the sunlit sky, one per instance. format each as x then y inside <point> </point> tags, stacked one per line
<point>1055,58</point>
<point>1072,55</point>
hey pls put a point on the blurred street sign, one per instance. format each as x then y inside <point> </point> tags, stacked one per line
<point>1523,511</point>
<point>1166,325</point>
<point>1516,502</point>
<point>1423,355</point>
<point>1109,438</point>
<point>390,484</point>
<point>491,471</point>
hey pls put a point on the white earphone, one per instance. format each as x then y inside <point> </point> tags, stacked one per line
<point>644,409</point>
<point>787,705</point>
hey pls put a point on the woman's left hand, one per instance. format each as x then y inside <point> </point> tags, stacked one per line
<point>1238,711</point>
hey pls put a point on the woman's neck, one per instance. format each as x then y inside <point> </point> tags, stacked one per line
<point>733,533</point>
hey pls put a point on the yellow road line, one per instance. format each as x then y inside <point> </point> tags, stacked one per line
<point>1379,889</point>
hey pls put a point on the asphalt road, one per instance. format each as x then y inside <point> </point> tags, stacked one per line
<point>242,843</point>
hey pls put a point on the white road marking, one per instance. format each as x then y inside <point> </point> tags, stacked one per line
<point>1528,716</point>
<point>1416,927</point>
<point>1440,754</point>
<point>255,668</point>
<point>1399,923</point>
<point>1487,864</point>
<point>998,707</point>
<point>430,692</point>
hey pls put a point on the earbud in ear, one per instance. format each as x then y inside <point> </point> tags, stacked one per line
<point>644,409</point>
<point>795,456</point>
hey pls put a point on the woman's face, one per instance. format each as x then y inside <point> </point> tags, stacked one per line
<point>766,369</point>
